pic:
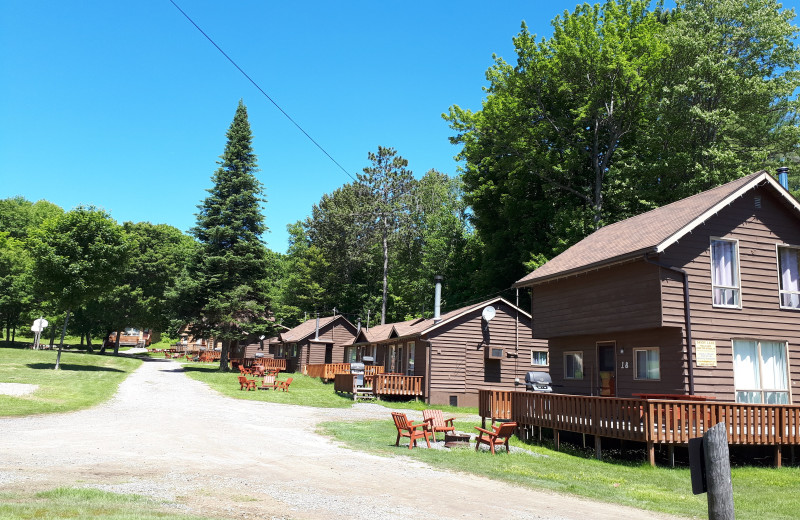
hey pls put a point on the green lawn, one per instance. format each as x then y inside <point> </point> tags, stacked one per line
<point>304,390</point>
<point>84,380</point>
<point>63,503</point>
<point>762,493</point>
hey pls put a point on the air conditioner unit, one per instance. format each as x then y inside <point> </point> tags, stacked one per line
<point>492,352</point>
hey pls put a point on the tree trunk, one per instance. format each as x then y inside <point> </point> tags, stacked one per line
<point>116,343</point>
<point>82,336</point>
<point>385,273</point>
<point>105,342</point>
<point>89,343</point>
<point>13,334</point>
<point>61,345</point>
<point>52,336</point>
<point>223,356</point>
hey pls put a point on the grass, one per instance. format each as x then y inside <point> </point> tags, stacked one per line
<point>83,381</point>
<point>304,391</point>
<point>84,503</point>
<point>763,493</point>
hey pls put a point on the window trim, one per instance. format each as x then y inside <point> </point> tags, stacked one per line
<point>781,291</point>
<point>573,353</point>
<point>636,367</point>
<point>737,272</point>
<point>546,358</point>
<point>758,341</point>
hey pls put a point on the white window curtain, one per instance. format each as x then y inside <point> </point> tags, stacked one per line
<point>723,269</point>
<point>774,370</point>
<point>745,365</point>
<point>790,277</point>
<point>410,367</point>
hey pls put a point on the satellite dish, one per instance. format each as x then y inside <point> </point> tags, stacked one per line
<point>488,313</point>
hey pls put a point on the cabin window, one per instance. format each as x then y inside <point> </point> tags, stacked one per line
<point>410,364</point>
<point>351,354</point>
<point>573,365</point>
<point>539,358</point>
<point>760,372</point>
<point>647,363</point>
<point>294,349</point>
<point>725,273</point>
<point>789,271</point>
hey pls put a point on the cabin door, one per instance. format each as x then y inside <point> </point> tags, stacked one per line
<point>328,354</point>
<point>606,369</point>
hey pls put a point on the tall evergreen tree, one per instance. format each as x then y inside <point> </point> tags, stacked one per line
<point>227,283</point>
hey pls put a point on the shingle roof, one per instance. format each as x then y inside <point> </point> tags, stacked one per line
<point>307,328</point>
<point>423,325</point>
<point>653,231</point>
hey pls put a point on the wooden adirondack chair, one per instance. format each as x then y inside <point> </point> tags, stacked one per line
<point>249,384</point>
<point>498,437</point>
<point>277,385</point>
<point>437,422</point>
<point>406,428</point>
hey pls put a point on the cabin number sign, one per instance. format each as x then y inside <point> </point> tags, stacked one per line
<point>705,353</point>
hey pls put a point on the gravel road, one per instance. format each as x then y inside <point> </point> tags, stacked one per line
<point>169,437</point>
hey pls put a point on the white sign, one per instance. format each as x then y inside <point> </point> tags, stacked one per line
<point>39,325</point>
<point>705,353</point>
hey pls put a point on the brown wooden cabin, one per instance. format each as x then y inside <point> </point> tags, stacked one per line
<point>306,344</point>
<point>252,348</point>
<point>459,354</point>
<point>613,311</point>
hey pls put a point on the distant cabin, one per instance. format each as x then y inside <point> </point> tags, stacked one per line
<point>458,354</point>
<point>314,341</point>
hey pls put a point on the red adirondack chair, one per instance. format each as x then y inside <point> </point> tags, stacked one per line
<point>249,384</point>
<point>437,422</point>
<point>498,437</point>
<point>406,428</point>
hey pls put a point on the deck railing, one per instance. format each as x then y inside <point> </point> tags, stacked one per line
<point>328,371</point>
<point>268,363</point>
<point>650,421</point>
<point>397,384</point>
<point>346,383</point>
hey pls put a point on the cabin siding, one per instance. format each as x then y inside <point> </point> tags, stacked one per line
<point>311,349</point>
<point>615,298</point>
<point>457,363</point>
<point>758,232</point>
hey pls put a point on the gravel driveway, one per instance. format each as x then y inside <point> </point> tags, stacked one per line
<point>167,436</point>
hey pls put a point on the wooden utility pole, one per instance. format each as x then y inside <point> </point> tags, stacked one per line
<point>718,473</point>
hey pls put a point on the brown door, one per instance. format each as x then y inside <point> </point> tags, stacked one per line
<point>606,369</point>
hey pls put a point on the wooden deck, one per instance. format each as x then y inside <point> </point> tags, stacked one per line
<point>328,371</point>
<point>397,384</point>
<point>382,385</point>
<point>668,422</point>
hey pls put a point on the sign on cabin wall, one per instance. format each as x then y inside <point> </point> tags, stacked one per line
<point>705,353</point>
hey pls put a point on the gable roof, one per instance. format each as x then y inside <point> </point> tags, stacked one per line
<point>308,328</point>
<point>420,326</point>
<point>651,232</point>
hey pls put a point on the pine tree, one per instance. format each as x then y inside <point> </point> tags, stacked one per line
<point>229,275</point>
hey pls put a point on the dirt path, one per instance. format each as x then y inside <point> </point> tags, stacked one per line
<point>167,436</point>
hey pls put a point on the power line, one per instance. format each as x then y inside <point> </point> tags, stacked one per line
<point>261,90</point>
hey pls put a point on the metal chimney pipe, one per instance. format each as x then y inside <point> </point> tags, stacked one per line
<point>783,177</point>
<point>316,333</point>
<point>437,299</point>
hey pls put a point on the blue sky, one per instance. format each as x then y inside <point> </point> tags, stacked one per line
<point>125,105</point>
